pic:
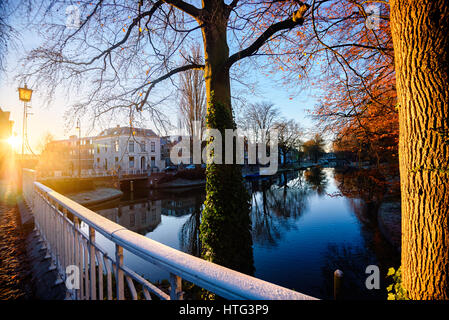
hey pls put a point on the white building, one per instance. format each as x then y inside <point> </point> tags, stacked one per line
<point>127,148</point>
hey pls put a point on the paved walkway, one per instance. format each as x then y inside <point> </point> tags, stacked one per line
<point>24,269</point>
<point>15,282</point>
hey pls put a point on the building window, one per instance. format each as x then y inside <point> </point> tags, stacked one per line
<point>106,148</point>
<point>131,146</point>
<point>153,146</point>
<point>131,162</point>
<point>98,149</point>
<point>142,147</point>
<point>116,145</point>
<point>116,159</point>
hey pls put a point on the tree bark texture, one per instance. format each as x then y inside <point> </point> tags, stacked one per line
<point>420,31</point>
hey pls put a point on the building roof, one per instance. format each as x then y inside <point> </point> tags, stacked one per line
<point>117,131</point>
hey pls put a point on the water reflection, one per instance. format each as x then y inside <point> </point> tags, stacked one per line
<point>275,203</point>
<point>363,189</point>
<point>189,235</point>
<point>305,224</point>
<point>316,179</point>
<point>140,216</point>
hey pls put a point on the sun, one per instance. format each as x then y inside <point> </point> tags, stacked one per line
<point>14,142</point>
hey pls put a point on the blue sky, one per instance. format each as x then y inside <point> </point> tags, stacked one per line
<point>50,119</point>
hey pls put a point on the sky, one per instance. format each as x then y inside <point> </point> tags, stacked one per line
<point>51,119</point>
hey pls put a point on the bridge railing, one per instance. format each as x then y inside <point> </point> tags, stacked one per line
<point>59,222</point>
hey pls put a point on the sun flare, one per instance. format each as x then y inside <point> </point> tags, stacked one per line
<point>14,142</point>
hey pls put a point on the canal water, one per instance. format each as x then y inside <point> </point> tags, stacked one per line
<point>305,225</point>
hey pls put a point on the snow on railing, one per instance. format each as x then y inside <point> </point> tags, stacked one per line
<point>58,221</point>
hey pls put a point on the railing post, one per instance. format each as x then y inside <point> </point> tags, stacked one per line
<point>120,287</point>
<point>93,280</point>
<point>338,279</point>
<point>78,257</point>
<point>65,237</point>
<point>175,287</point>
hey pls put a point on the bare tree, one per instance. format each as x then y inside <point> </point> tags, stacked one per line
<point>259,118</point>
<point>192,105</point>
<point>289,135</point>
<point>123,49</point>
<point>6,30</point>
<point>314,147</point>
<point>46,138</point>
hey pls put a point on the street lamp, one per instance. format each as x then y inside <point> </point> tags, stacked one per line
<point>25,96</point>
<point>78,127</point>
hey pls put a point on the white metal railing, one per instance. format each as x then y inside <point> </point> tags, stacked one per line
<point>28,177</point>
<point>58,220</point>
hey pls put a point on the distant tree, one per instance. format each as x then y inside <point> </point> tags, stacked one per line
<point>44,141</point>
<point>289,137</point>
<point>55,157</point>
<point>314,147</point>
<point>192,106</point>
<point>259,118</point>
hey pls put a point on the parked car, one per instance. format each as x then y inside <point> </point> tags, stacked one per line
<point>190,167</point>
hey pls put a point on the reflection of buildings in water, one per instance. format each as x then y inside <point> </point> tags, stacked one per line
<point>180,206</point>
<point>142,217</point>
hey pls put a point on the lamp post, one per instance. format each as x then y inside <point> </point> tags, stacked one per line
<point>78,127</point>
<point>25,96</point>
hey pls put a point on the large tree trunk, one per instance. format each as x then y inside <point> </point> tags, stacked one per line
<point>420,35</point>
<point>225,226</point>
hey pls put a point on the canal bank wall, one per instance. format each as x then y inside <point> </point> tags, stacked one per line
<point>96,197</point>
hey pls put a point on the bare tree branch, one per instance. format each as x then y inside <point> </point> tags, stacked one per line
<point>185,7</point>
<point>166,76</point>
<point>295,20</point>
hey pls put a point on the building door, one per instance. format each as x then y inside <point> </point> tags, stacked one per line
<point>142,163</point>
<point>153,161</point>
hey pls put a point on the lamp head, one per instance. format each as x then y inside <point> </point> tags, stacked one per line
<point>25,94</point>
